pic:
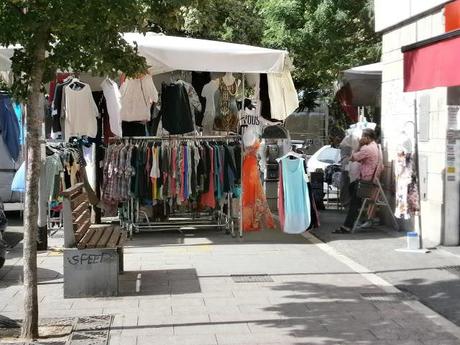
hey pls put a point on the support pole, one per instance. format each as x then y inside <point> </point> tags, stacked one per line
<point>418,220</point>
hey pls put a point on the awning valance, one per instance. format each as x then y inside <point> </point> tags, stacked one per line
<point>432,63</point>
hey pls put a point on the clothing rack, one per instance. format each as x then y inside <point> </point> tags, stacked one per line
<point>131,212</point>
<point>180,137</point>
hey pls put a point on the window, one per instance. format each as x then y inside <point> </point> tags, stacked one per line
<point>329,155</point>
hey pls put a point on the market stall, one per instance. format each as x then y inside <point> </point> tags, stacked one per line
<point>151,132</point>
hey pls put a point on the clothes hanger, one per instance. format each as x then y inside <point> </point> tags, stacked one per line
<point>76,81</point>
<point>290,154</point>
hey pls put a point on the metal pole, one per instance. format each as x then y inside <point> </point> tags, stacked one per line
<point>418,225</point>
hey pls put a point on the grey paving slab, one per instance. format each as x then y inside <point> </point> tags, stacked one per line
<point>187,295</point>
<point>419,275</point>
<point>178,340</point>
<point>122,340</point>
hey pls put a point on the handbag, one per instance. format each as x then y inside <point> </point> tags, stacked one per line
<point>365,189</point>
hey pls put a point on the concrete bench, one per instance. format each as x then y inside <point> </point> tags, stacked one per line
<point>93,254</point>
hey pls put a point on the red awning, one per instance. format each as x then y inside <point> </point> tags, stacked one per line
<point>433,65</point>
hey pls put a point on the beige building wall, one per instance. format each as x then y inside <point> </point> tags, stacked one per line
<point>398,114</point>
<point>392,12</point>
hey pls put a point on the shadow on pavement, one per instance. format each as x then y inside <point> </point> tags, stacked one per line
<point>14,275</point>
<point>330,314</point>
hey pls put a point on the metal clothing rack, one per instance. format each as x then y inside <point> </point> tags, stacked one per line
<point>131,213</point>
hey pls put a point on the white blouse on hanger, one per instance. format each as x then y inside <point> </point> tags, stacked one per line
<point>80,111</point>
<point>137,96</point>
<point>113,100</point>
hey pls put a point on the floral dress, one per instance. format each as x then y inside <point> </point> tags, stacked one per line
<point>256,213</point>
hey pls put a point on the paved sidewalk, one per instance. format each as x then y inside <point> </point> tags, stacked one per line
<point>433,278</point>
<point>181,290</point>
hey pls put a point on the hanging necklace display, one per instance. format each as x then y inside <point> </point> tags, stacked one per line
<point>227,111</point>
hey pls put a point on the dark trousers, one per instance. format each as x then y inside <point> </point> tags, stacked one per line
<point>355,205</point>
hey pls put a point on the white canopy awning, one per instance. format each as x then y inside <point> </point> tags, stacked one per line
<point>6,53</point>
<point>168,53</point>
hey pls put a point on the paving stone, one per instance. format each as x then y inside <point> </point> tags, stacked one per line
<point>290,325</point>
<point>192,302</point>
<point>122,340</point>
<point>212,329</point>
<point>244,317</point>
<point>250,339</point>
<point>149,330</point>
<point>179,340</point>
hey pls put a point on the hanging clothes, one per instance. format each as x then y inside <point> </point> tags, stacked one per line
<point>256,213</point>
<point>9,127</point>
<point>137,96</point>
<point>209,94</point>
<point>284,99</point>
<point>297,207</point>
<point>403,178</point>
<point>177,173</point>
<point>194,100</point>
<point>113,102</point>
<point>176,114</point>
<point>81,111</point>
<point>226,118</point>
<point>199,80</point>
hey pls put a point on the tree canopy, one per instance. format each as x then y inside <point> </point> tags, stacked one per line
<point>323,36</point>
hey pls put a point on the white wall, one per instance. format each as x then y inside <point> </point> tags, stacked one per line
<point>392,12</point>
<point>398,109</point>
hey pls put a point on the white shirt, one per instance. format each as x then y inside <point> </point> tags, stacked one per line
<point>283,95</point>
<point>113,100</point>
<point>80,112</point>
<point>137,96</point>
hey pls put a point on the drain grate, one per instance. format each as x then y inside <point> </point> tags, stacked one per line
<point>451,269</point>
<point>387,297</point>
<point>252,278</point>
<point>91,330</point>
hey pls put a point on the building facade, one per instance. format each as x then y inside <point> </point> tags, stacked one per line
<point>407,26</point>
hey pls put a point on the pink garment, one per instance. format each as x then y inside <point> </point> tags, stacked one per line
<point>371,162</point>
<point>172,179</point>
<point>281,196</point>
<point>182,175</point>
<point>208,199</point>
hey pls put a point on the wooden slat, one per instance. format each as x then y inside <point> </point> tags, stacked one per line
<point>72,190</point>
<point>105,237</point>
<point>112,243</point>
<point>81,231</point>
<point>78,222</point>
<point>123,238</point>
<point>79,210</point>
<point>83,242</point>
<point>95,238</point>
<point>78,200</point>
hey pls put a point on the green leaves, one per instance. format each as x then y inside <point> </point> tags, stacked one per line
<point>323,36</point>
<point>80,35</point>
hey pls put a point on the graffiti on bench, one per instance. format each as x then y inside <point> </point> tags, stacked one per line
<point>90,259</point>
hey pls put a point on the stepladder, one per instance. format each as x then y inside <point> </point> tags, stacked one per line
<point>371,205</point>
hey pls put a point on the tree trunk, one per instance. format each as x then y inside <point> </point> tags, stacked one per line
<point>34,117</point>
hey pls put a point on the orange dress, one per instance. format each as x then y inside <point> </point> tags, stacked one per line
<point>256,213</point>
